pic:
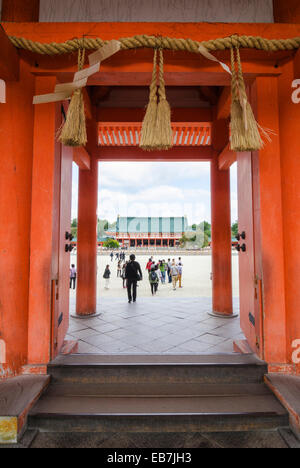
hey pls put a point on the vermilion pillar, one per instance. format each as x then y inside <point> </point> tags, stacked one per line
<point>270,263</point>
<point>289,121</point>
<point>87,241</point>
<point>221,240</point>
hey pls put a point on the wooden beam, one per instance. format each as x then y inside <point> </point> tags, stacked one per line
<point>123,114</point>
<point>57,32</point>
<point>193,77</point>
<point>131,153</point>
<point>9,59</point>
<point>286,11</point>
<point>209,94</point>
<point>226,158</point>
<point>87,104</point>
<point>20,11</point>
<point>82,158</point>
<point>100,93</point>
<point>223,107</point>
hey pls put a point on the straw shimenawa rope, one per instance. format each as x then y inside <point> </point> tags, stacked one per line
<point>164,134</point>
<point>74,132</point>
<point>136,42</point>
<point>156,130</point>
<point>149,122</point>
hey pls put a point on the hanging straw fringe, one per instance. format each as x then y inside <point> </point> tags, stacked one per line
<point>164,134</point>
<point>156,129</point>
<point>73,132</point>
<point>149,122</point>
<point>245,134</point>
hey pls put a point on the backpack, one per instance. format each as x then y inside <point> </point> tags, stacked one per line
<point>153,276</point>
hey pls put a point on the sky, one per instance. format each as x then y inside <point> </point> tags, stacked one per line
<point>155,189</point>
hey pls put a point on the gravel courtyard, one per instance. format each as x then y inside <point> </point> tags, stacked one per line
<point>196,277</point>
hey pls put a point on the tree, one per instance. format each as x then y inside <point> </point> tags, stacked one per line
<point>186,238</point>
<point>111,244</point>
<point>205,241</point>
<point>106,226</point>
<point>206,228</point>
<point>74,232</point>
<point>235,229</point>
<point>74,223</point>
<point>194,227</point>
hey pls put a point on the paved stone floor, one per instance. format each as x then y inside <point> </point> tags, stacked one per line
<point>155,325</point>
<point>256,439</point>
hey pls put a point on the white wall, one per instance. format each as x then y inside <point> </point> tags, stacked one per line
<point>240,11</point>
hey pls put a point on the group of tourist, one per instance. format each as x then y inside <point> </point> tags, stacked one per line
<point>157,273</point>
<point>121,269</point>
<point>118,256</point>
<point>130,272</point>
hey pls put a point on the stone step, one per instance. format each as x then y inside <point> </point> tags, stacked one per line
<point>171,413</point>
<point>205,369</point>
<point>141,390</point>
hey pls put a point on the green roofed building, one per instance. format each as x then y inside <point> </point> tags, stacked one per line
<point>150,231</point>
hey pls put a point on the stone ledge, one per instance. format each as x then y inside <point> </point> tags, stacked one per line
<point>17,396</point>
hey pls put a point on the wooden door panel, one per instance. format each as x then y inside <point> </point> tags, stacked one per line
<point>64,257</point>
<point>246,259</point>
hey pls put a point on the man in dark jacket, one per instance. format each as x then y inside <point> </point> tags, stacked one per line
<point>133,274</point>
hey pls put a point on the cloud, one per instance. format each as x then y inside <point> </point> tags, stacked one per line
<point>155,189</point>
<point>131,175</point>
<point>159,201</point>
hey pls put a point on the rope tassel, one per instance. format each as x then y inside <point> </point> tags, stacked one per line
<point>245,134</point>
<point>164,134</point>
<point>73,132</point>
<point>156,129</point>
<point>149,123</point>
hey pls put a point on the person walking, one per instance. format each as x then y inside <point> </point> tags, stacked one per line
<point>180,274</point>
<point>149,265</point>
<point>119,269</point>
<point>169,266</point>
<point>111,256</point>
<point>174,274</point>
<point>106,276</point>
<point>153,280</point>
<point>162,268</point>
<point>133,274</point>
<point>73,276</point>
<point>124,274</point>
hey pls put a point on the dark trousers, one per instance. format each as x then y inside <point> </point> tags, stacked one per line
<point>131,289</point>
<point>73,280</point>
<point>154,287</point>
